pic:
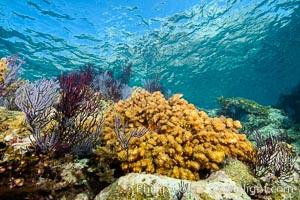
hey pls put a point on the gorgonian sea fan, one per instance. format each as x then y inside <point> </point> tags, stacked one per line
<point>34,98</point>
<point>14,65</point>
<point>36,101</point>
<point>74,91</point>
<point>153,85</point>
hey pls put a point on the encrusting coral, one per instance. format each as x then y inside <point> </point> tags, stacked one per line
<point>182,140</point>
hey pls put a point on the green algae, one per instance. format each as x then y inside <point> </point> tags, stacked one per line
<point>239,173</point>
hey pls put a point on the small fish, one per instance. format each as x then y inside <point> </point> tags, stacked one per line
<point>177,96</point>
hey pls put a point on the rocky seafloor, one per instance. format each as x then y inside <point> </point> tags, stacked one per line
<point>26,174</point>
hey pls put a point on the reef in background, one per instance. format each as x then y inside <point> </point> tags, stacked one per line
<point>76,137</point>
<point>265,119</point>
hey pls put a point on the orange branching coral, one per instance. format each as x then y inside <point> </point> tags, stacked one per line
<point>182,140</point>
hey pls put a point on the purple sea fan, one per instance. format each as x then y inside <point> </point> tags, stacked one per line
<point>153,84</point>
<point>273,157</point>
<point>108,86</point>
<point>36,101</point>
<point>111,88</point>
<point>75,91</point>
<point>35,98</point>
<point>14,65</point>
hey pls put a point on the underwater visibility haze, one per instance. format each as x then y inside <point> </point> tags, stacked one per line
<point>202,49</point>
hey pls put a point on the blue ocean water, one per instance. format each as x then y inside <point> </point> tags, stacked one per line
<point>203,49</point>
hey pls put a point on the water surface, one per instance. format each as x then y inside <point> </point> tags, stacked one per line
<point>203,49</point>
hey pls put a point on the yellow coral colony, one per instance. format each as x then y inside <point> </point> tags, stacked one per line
<point>3,69</point>
<point>182,139</point>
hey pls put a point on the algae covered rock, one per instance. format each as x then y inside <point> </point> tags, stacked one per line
<point>238,106</point>
<point>240,173</point>
<point>252,114</point>
<point>12,122</point>
<point>150,186</point>
<point>255,117</point>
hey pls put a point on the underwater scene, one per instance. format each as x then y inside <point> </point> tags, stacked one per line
<point>134,100</point>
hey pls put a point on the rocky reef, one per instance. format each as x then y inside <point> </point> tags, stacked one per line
<point>151,186</point>
<point>265,119</point>
<point>234,181</point>
<point>71,143</point>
